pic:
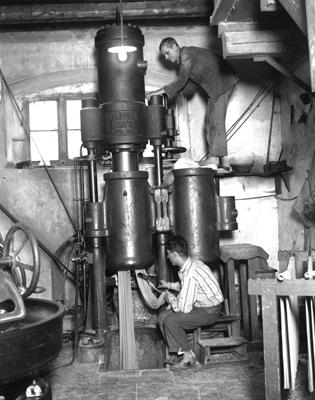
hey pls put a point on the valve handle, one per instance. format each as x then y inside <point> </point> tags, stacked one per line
<point>21,248</point>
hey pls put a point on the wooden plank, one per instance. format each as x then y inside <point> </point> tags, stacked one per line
<point>271,344</point>
<point>284,345</point>
<point>244,299</point>
<point>106,12</point>
<point>285,72</point>
<point>259,43</point>
<point>269,5</point>
<point>253,266</point>
<point>230,273</point>
<point>284,255</point>
<point>243,27</point>
<point>222,9</point>
<point>235,10</point>
<point>310,370</point>
<point>292,316</point>
<point>310,18</point>
<point>296,10</point>
<point>223,342</point>
<point>298,287</point>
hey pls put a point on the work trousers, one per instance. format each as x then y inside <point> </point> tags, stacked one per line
<point>215,125</point>
<point>174,324</point>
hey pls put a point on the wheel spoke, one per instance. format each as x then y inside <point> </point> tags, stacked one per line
<point>25,266</point>
<point>24,241</point>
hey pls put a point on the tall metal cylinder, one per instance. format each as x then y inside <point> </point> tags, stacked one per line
<point>121,85</point>
<point>195,212</point>
<point>128,216</point>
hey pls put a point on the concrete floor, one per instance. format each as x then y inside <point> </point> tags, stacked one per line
<point>220,382</point>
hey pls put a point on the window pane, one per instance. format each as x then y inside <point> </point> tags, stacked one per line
<point>45,146</point>
<point>74,144</point>
<point>73,114</point>
<point>43,115</point>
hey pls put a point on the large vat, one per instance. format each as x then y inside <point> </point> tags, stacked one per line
<point>28,345</point>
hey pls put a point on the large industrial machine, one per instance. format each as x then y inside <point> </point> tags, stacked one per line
<point>127,226</point>
<point>30,328</point>
<point>124,222</point>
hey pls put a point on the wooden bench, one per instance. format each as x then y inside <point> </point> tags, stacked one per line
<point>222,342</point>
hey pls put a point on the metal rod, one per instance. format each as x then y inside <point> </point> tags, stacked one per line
<point>270,128</point>
<point>158,164</point>
<point>6,261</point>
<point>93,181</point>
<point>99,287</point>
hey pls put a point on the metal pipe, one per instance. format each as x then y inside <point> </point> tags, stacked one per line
<point>93,181</point>
<point>158,164</point>
<point>99,287</point>
<point>125,160</point>
<point>163,269</point>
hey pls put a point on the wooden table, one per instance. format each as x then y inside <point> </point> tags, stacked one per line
<point>269,290</point>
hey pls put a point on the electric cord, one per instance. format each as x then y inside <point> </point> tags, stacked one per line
<point>230,133</point>
<point>256,97</point>
<point>252,111</point>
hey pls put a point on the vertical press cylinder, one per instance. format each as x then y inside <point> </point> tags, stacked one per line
<point>121,86</point>
<point>195,215</point>
<point>129,240</point>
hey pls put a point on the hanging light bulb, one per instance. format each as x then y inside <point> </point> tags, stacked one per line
<point>121,50</point>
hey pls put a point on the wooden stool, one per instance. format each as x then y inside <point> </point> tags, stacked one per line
<point>250,262</point>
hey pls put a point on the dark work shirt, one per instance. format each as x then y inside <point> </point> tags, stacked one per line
<point>203,68</point>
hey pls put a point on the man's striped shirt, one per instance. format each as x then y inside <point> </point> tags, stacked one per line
<point>199,287</point>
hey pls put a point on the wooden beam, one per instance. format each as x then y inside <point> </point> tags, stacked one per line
<point>296,287</point>
<point>258,43</point>
<point>310,18</point>
<point>284,71</point>
<point>296,10</point>
<point>89,12</point>
<point>222,9</point>
<point>234,10</point>
<point>244,26</point>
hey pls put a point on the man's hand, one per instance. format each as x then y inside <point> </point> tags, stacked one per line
<point>166,296</point>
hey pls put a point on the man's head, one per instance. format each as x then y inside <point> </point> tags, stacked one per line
<point>170,50</point>
<point>177,250</point>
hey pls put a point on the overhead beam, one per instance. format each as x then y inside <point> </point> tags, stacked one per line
<point>310,18</point>
<point>234,10</point>
<point>249,44</point>
<point>296,10</point>
<point>284,71</point>
<point>245,26</point>
<point>89,12</point>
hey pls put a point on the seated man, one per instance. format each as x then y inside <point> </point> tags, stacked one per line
<point>198,302</point>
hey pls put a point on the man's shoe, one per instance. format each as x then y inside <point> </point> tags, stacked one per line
<point>187,362</point>
<point>173,359</point>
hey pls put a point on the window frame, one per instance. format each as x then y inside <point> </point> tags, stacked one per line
<point>61,99</point>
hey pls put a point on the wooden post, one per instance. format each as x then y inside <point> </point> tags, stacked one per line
<point>310,17</point>
<point>271,343</point>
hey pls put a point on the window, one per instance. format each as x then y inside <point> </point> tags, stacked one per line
<point>44,130</point>
<point>55,129</point>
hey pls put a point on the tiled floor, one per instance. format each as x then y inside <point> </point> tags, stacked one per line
<point>240,381</point>
<point>90,381</point>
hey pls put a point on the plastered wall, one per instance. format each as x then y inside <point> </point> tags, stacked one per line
<point>297,121</point>
<point>42,60</point>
